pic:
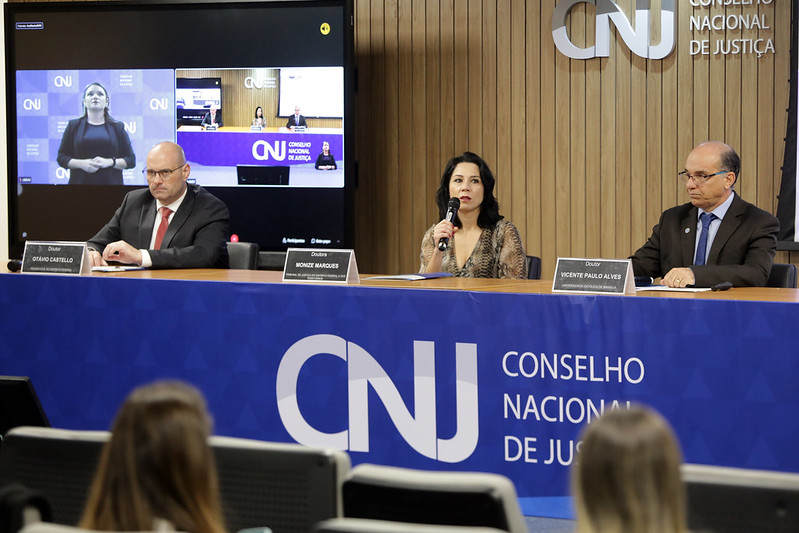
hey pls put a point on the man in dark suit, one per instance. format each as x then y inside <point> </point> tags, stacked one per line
<point>168,225</point>
<point>213,117</point>
<point>296,119</point>
<point>717,237</point>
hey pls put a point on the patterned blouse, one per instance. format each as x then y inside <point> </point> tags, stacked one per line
<point>498,254</point>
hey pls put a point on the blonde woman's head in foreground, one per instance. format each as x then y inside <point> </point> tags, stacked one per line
<point>627,475</point>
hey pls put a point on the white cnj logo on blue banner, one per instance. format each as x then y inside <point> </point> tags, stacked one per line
<point>419,431</point>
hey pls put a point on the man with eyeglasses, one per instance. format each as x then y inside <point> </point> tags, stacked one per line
<point>717,237</point>
<point>171,224</point>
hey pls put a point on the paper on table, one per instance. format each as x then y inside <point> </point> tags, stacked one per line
<point>672,289</point>
<point>413,277</point>
<point>116,268</point>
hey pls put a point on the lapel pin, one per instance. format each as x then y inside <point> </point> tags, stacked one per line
<point>687,230</point>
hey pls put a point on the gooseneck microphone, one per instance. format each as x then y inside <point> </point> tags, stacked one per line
<point>14,265</point>
<point>452,211</point>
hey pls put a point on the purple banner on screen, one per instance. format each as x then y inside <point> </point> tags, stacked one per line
<point>230,148</point>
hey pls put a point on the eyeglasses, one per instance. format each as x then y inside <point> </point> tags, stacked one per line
<point>163,174</point>
<point>699,179</point>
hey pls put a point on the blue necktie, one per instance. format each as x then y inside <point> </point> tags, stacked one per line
<point>705,218</point>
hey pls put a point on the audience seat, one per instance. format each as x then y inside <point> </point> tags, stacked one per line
<point>286,487</point>
<point>782,275</point>
<point>243,255</point>
<point>741,500</point>
<point>432,497</point>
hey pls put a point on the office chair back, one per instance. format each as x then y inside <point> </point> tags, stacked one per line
<point>243,255</point>
<point>732,500</point>
<point>533,267</point>
<point>286,487</point>
<point>360,525</point>
<point>782,275</point>
<point>439,498</point>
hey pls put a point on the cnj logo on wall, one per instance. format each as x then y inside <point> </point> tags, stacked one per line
<point>636,38</point>
<point>419,430</point>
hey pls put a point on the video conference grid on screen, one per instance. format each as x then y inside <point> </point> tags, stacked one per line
<point>267,173</point>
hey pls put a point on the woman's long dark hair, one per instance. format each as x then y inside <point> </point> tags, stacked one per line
<point>489,209</point>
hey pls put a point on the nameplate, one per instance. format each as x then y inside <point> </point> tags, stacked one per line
<point>43,257</point>
<point>604,276</point>
<point>256,128</point>
<point>299,129</point>
<point>210,127</point>
<point>312,264</point>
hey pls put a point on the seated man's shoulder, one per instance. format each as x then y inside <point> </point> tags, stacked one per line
<point>203,196</point>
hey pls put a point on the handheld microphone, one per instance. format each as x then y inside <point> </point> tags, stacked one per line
<point>452,211</point>
<point>14,265</point>
<point>721,286</point>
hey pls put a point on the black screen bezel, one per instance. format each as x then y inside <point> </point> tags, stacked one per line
<point>250,223</point>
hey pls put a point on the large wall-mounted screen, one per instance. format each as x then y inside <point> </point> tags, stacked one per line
<point>223,80</point>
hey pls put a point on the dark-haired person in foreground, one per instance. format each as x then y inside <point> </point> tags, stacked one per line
<point>157,472</point>
<point>171,224</point>
<point>717,237</point>
<point>626,478</point>
<point>482,244</point>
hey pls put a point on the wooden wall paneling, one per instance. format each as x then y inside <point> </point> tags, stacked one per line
<point>669,128</point>
<point>377,108</point>
<point>504,121</point>
<point>639,144</point>
<point>731,89</point>
<point>406,230</point>
<point>608,163</point>
<point>717,91</point>
<point>393,187</point>
<point>420,181</point>
<point>446,111</point>
<point>766,117</point>
<point>562,174</point>
<point>651,175</point>
<point>475,76</point>
<point>462,77</point>
<point>531,233</point>
<point>549,124</point>
<point>748,149</point>
<point>517,117</point>
<point>489,82</point>
<point>593,134</point>
<point>576,131</point>
<point>503,154</point>
<point>432,125</point>
<point>624,140</point>
<point>685,104</point>
<point>701,64</point>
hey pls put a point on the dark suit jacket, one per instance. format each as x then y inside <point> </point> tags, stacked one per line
<point>742,251</point>
<point>196,237</point>
<point>293,122</point>
<point>72,147</point>
<point>217,118</point>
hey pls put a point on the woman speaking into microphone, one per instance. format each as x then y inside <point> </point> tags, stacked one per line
<point>472,240</point>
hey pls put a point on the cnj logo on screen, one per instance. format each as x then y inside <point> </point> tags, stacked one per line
<point>637,39</point>
<point>419,431</point>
